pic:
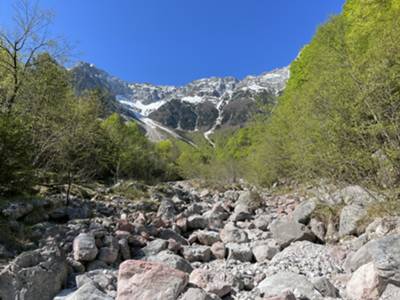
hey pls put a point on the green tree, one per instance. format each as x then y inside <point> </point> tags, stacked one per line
<point>15,155</point>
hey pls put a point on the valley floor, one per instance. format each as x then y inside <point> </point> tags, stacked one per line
<point>184,241</point>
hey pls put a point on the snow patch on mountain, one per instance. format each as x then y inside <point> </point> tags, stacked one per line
<point>201,105</point>
<point>155,131</point>
<point>193,99</point>
<point>208,133</point>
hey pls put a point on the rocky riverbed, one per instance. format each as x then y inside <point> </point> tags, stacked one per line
<point>183,241</point>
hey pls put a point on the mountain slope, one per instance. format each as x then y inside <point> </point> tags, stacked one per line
<point>203,105</point>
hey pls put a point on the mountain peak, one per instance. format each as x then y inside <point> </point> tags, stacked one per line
<point>202,105</point>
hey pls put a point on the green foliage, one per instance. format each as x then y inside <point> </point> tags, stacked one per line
<point>328,213</point>
<point>133,156</point>
<point>340,105</point>
<point>81,150</point>
<point>15,155</point>
<point>62,134</point>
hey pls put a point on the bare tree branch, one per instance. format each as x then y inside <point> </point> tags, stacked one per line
<point>29,38</point>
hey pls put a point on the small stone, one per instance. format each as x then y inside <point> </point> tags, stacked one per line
<point>84,247</point>
<point>125,250</point>
<point>318,228</point>
<point>76,265</point>
<point>218,250</point>
<point>286,231</point>
<point>303,212</point>
<point>211,282</point>
<point>232,234</point>
<point>167,234</point>
<point>262,222</point>
<point>265,250</point>
<point>288,281</point>
<point>197,222</point>
<point>365,283</point>
<point>174,246</point>
<point>197,253</point>
<point>172,260</point>
<point>207,237</point>
<point>155,247</point>
<point>325,287</point>
<point>108,254</point>
<point>239,252</point>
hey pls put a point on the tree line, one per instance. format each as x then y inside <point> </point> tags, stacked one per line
<point>339,116</point>
<point>51,135</point>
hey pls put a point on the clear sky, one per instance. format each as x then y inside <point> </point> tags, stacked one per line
<point>176,41</point>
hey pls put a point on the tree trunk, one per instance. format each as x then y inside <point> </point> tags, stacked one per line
<point>69,186</point>
<point>116,177</point>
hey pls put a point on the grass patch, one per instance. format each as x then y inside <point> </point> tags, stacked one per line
<point>387,208</point>
<point>328,213</point>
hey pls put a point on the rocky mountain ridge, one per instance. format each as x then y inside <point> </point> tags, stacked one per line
<point>182,241</point>
<point>202,105</point>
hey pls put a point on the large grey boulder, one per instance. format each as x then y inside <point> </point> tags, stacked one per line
<point>242,212</point>
<point>194,209</point>
<point>384,253</point>
<point>357,200</point>
<point>295,283</point>
<point>265,250</point>
<point>391,292</point>
<point>218,250</point>
<point>125,249</point>
<point>38,274</point>
<point>172,260</point>
<point>149,280</point>
<point>207,237</point>
<point>197,253</point>
<point>249,199</point>
<point>318,228</point>
<point>325,287</point>
<point>84,247</point>
<point>355,194</point>
<point>350,217</point>
<point>239,252</point>
<point>231,234</point>
<point>303,211</point>
<point>247,202</point>
<point>262,222</point>
<point>154,247</point>
<point>286,231</point>
<point>216,216</point>
<point>103,279</point>
<point>167,234</point>
<point>166,210</point>
<point>212,282</point>
<point>197,222</point>
<point>365,283</point>
<point>108,254</point>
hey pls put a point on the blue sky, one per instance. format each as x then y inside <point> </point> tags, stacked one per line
<point>176,41</point>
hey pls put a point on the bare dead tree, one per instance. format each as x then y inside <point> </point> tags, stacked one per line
<point>20,45</point>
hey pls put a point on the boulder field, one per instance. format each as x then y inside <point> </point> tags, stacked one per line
<point>183,241</point>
